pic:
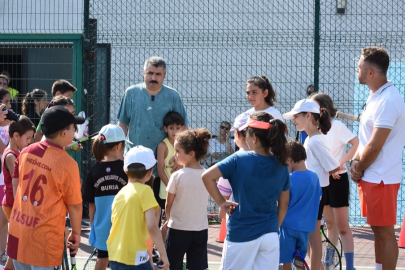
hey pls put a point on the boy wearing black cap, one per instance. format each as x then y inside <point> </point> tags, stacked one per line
<point>48,186</point>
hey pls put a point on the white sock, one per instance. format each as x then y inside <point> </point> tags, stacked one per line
<point>378,266</point>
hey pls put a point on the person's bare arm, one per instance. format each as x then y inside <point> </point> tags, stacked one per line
<point>161,155</point>
<point>156,236</point>
<point>2,147</point>
<point>373,148</point>
<point>124,127</point>
<point>75,215</point>
<point>15,182</point>
<point>38,136</point>
<point>168,206</point>
<point>92,210</point>
<point>355,144</point>
<point>282,206</point>
<point>221,213</point>
<point>209,178</point>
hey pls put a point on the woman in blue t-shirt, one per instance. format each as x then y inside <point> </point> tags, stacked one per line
<point>260,184</point>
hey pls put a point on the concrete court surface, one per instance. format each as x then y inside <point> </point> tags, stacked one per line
<point>363,243</point>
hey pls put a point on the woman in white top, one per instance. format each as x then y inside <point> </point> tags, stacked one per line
<point>336,207</point>
<point>261,95</point>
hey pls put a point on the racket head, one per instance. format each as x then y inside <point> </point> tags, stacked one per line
<point>91,261</point>
<point>327,248</point>
<point>299,262</point>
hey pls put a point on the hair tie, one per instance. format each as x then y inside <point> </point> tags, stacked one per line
<point>321,110</point>
<point>272,121</point>
<point>102,137</point>
<point>50,104</point>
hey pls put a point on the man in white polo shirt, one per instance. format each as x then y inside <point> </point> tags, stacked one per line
<point>377,165</point>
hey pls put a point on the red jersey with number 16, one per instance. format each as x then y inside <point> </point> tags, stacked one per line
<point>49,180</point>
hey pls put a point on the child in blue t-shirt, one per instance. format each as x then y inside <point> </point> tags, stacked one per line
<point>104,181</point>
<point>301,217</point>
<point>260,184</point>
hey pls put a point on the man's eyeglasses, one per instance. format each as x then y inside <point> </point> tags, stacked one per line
<point>225,128</point>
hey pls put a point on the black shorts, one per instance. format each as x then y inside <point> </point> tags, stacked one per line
<point>322,203</point>
<point>101,254</point>
<point>156,189</point>
<point>338,191</point>
<point>192,243</point>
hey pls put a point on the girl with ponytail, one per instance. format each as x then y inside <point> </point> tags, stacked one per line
<point>34,102</point>
<point>261,95</point>
<point>336,208</point>
<point>104,180</point>
<point>186,203</point>
<point>307,115</point>
<point>260,184</point>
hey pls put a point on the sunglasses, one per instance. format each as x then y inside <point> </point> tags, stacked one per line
<point>225,128</point>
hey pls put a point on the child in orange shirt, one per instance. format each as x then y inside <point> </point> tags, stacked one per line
<point>20,133</point>
<point>48,187</point>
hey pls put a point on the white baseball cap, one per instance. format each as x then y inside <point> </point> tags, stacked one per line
<point>240,121</point>
<point>139,154</point>
<point>304,105</point>
<point>111,133</point>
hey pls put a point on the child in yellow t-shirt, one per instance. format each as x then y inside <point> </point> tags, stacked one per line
<point>133,215</point>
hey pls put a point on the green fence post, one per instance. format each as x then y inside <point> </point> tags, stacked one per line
<point>317,44</point>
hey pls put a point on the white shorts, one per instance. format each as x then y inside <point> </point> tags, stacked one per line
<point>261,253</point>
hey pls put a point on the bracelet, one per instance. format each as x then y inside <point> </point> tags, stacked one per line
<point>353,159</point>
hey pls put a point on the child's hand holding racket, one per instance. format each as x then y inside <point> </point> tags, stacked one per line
<point>73,243</point>
<point>163,264</point>
<point>229,206</point>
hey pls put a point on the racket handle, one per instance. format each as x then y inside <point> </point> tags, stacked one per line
<point>72,256</point>
<point>70,145</point>
<point>347,116</point>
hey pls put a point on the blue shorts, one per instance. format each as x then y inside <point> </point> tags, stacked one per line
<point>289,241</point>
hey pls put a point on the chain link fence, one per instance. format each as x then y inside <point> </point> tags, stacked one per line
<point>342,36</point>
<point>211,49</point>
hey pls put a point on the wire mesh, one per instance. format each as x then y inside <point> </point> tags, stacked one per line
<point>342,37</point>
<point>211,48</point>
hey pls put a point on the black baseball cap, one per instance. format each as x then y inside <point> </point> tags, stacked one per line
<point>57,118</point>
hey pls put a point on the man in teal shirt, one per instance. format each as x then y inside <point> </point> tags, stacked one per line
<point>144,106</point>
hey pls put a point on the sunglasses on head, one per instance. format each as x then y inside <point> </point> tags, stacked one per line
<point>225,128</point>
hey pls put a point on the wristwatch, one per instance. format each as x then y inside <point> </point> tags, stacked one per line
<point>353,159</point>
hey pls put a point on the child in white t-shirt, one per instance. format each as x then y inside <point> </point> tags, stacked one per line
<point>307,115</point>
<point>337,203</point>
<point>186,203</point>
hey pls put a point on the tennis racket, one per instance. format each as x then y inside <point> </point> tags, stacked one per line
<point>299,262</point>
<point>331,256</point>
<point>348,116</point>
<point>73,144</point>
<point>72,259</point>
<point>91,261</point>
